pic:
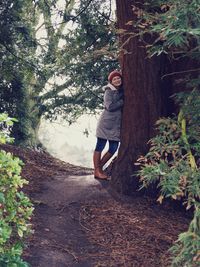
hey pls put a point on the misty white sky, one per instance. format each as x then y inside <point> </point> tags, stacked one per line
<point>68,142</point>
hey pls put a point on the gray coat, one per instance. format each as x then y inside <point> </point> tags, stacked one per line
<point>109,124</point>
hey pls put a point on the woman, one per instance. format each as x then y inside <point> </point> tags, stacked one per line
<point>108,128</point>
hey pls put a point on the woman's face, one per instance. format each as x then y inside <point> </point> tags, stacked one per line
<point>117,81</point>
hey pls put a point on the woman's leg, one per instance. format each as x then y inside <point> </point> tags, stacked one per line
<point>98,173</point>
<point>113,146</point>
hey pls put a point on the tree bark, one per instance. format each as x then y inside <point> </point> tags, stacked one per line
<point>25,130</point>
<point>146,99</point>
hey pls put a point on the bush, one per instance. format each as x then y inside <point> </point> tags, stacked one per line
<point>173,163</point>
<point>15,207</point>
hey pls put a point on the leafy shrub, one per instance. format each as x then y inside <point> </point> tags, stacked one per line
<point>173,162</point>
<point>15,207</point>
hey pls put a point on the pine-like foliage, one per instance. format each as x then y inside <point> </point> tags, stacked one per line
<point>173,161</point>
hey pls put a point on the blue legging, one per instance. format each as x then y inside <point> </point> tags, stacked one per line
<point>113,145</point>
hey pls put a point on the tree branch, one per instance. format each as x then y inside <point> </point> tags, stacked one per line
<point>179,72</point>
<point>73,18</point>
<point>103,15</point>
<point>22,59</point>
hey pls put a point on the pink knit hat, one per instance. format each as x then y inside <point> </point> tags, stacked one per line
<point>113,74</point>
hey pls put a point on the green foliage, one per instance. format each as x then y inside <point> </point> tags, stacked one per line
<point>17,62</point>
<point>174,152</point>
<point>55,58</point>
<point>5,127</point>
<point>187,248</point>
<point>83,62</point>
<point>15,207</point>
<point>173,163</point>
<point>175,25</point>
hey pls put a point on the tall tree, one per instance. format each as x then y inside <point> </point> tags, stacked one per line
<point>149,81</point>
<point>16,45</point>
<point>58,76</point>
<point>146,95</point>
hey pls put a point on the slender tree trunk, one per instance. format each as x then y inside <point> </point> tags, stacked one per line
<point>25,131</point>
<point>146,99</point>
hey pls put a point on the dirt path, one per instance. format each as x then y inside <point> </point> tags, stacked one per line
<point>78,223</point>
<point>60,238</point>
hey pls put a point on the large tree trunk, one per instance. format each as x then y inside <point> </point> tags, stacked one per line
<point>146,99</point>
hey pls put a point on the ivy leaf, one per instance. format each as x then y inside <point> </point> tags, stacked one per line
<point>2,198</point>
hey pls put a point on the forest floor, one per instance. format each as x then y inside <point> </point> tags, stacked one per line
<point>78,222</point>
